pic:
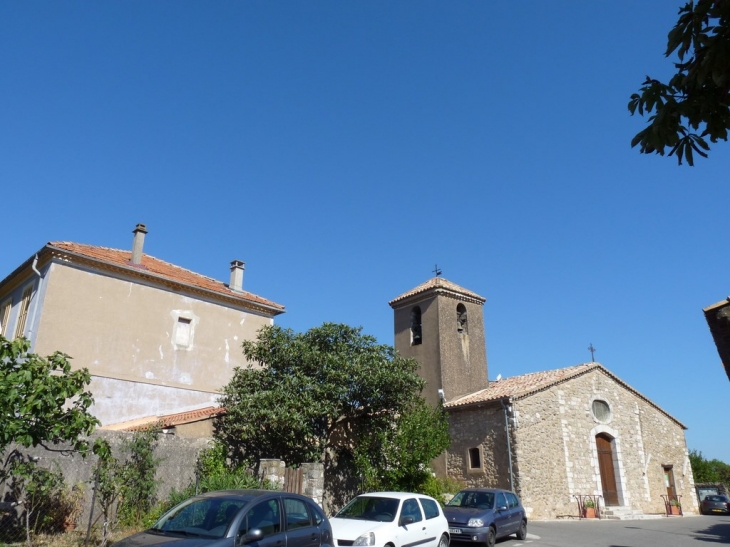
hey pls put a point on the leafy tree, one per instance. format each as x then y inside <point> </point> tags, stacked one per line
<point>139,487</point>
<point>396,458</point>
<point>318,394</point>
<point>695,103</point>
<point>708,471</point>
<point>41,399</point>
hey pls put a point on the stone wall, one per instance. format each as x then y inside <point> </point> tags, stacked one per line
<point>554,454</point>
<point>555,446</point>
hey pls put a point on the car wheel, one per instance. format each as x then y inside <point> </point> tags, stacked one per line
<point>522,532</point>
<point>444,541</point>
<point>491,537</point>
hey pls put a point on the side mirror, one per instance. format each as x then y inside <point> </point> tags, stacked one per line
<point>502,508</point>
<point>406,520</point>
<point>254,534</point>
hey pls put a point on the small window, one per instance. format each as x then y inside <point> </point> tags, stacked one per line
<point>416,333</point>
<point>430,508</point>
<point>5,316</point>
<point>411,509</point>
<point>23,311</point>
<point>475,459</point>
<point>183,332</point>
<point>462,325</point>
<point>601,411</point>
<point>297,515</point>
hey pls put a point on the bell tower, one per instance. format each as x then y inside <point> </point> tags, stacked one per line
<point>441,325</point>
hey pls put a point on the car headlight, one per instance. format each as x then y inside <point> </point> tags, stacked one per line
<point>475,523</point>
<point>365,539</point>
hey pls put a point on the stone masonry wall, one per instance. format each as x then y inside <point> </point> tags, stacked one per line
<point>555,446</point>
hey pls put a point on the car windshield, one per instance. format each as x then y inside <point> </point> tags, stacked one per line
<point>716,498</point>
<point>476,500</point>
<point>200,517</point>
<point>370,508</point>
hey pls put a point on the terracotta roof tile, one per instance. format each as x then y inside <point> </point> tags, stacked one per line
<point>156,268</point>
<point>518,387</point>
<point>439,285</point>
<point>170,420</point>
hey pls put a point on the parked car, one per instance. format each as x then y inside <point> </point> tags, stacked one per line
<point>232,518</point>
<point>715,504</point>
<point>391,518</point>
<point>482,515</point>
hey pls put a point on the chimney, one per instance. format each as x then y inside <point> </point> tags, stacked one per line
<point>237,268</point>
<point>138,243</point>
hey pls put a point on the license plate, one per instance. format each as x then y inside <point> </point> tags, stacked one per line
<point>717,510</point>
<point>454,530</point>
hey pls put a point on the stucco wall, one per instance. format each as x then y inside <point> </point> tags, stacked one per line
<point>123,330</point>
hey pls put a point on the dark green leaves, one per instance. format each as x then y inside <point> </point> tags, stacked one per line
<point>695,104</point>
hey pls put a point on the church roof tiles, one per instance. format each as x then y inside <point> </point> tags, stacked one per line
<point>519,387</point>
<point>438,285</point>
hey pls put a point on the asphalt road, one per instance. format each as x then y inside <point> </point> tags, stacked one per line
<point>695,531</point>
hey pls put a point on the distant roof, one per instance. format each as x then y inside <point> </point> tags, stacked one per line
<point>519,387</point>
<point>168,421</point>
<point>159,270</point>
<point>718,319</point>
<point>437,285</point>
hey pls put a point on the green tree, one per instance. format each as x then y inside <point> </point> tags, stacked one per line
<point>41,399</point>
<point>708,471</point>
<point>695,104</point>
<point>316,395</point>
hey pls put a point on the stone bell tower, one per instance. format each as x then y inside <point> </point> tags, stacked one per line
<point>441,325</point>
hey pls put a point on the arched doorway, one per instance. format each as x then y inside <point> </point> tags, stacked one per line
<point>604,447</point>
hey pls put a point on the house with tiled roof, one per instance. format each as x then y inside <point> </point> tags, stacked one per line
<point>157,338</point>
<point>556,437</point>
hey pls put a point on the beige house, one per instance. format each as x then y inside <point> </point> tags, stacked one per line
<point>158,339</point>
<point>555,436</point>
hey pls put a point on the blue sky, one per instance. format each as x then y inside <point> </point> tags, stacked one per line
<point>342,149</point>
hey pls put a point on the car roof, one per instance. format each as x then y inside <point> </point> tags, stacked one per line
<point>477,489</point>
<point>241,494</point>
<point>397,495</point>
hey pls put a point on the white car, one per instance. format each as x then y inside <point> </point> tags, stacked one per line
<point>393,519</point>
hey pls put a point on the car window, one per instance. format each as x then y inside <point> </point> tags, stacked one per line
<point>297,515</point>
<point>512,499</point>
<point>470,498</point>
<point>411,509</point>
<point>265,515</point>
<point>370,508</point>
<point>501,500</point>
<point>430,508</point>
<point>317,513</point>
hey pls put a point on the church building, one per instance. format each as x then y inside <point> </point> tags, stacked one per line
<point>556,437</point>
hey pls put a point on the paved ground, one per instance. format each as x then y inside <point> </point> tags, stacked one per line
<point>694,531</point>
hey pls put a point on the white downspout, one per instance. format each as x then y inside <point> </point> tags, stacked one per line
<point>38,292</point>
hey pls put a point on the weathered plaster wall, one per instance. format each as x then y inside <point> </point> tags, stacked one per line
<point>123,330</point>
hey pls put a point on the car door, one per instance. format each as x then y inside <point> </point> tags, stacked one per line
<point>414,533</point>
<point>266,516</point>
<point>301,529</point>
<point>515,512</point>
<point>502,515</point>
<point>434,522</point>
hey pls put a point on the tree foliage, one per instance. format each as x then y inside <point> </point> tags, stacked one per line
<point>695,104</point>
<point>41,399</point>
<point>314,396</point>
<point>708,471</point>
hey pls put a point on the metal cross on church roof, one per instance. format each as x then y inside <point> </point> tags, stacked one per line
<point>592,350</point>
<point>436,270</point>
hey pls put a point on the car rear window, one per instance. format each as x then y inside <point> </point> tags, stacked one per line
<point>430,508</point>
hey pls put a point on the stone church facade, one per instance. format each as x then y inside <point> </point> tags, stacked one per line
<point>551,436</point>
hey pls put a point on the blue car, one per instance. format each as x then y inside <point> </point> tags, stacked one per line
<point>482,515</point>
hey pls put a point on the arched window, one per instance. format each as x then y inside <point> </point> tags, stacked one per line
<point>462,325</point>
<point>416,335</point>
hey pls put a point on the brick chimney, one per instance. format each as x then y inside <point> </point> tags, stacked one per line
<point>138,243</point>
<point>237,268</point>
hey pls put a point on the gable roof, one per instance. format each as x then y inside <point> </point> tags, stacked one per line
<point>167,421</point>
<point>437,286</point>
<point>521,387</point>
<point>154,269</point>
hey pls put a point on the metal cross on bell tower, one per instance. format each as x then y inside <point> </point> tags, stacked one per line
<point>436,270</point>
<point>592,350</point>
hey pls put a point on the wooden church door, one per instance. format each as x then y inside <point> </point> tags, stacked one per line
<point>608,475</point>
